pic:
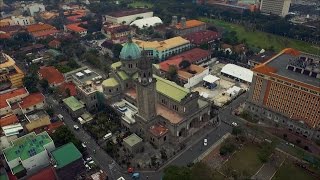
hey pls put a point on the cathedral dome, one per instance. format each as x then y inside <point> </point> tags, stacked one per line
<point>130,51</point>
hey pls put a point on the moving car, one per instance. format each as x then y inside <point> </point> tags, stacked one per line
<point>205,142</point>
<point>234,124</point>
<point>107,136</point>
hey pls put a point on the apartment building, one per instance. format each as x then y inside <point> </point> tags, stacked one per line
<point>277,7</point>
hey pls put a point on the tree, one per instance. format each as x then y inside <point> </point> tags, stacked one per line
<point>30,82</point>
<point>116,49</point>
<point>184,64</point>
<point>212,28</point>
<point>172,73</point>
<point>169,34</point>
<point>227,148</point>
<point>265,151</point>
<point>236,131</point>
<point>68,93</point>
<point>44,84</point>
<point>63,135</point>
<point>164,154</point>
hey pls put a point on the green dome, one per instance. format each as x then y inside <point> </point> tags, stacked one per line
<point>130,51</point>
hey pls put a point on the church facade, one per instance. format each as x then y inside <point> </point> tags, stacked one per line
<point>165,110</point>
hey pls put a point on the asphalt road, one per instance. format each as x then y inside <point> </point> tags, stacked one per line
<point>102,159</point>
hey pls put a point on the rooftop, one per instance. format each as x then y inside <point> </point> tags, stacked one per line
<point>132,140</point>
<point>193,55</point>
<point>13,129</point>
<point>262,57</point>
<point>128,12</point>
<point>45,33</point>
<point>238,72</point>
<point>65,155</point>
<point>36,115</point>
<point>51,74</point>
<point>39,27</point>
<point>8,119</point>
<point>170,89</point>
<point>162,45</point>
<point>190,24</point>
<point>73,103</point>
<point>6,61</point>
<point>31,100</point>
<point>110,82</point>
<point>123,75</point>
<point>202,37</point>
<point>48,173</point>
<point>4,96</point>
<point>75,27</point>
<point>116,65</point>
<point>158,130</point>
<point>27,146</point>
<point>277,67</point>
<point>168,114</point>
<point>68,85</point>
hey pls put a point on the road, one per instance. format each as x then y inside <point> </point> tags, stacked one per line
<point>102,159</point>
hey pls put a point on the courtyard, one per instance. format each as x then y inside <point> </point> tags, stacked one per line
<point>290,170</point>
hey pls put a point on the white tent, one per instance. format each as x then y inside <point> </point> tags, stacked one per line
<point>147,22</point>
<point>238,72</point>
<point>211,78</point>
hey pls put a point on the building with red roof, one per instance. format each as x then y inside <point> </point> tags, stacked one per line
<point>32,102</point>
<point>41,31</point>
<point>194,56</point>
<point>185,27</point>
<point>114,32</point>
<point>158,134</point>
<point>202,37</point>
<point>46,173</point>
<point>8,120</point>
<point>11,96</point>
<point>68,85</point>
<point>52,75</point>
<point>188,75</point>
<point>54,44</point>
<point>76,28</point>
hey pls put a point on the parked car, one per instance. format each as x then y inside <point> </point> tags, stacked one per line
<point>83,145</point>
<point>205,142</point>
<point>60,117</point>
<point>76,127</point>
<point>234,124</point>
<point>89,159</point>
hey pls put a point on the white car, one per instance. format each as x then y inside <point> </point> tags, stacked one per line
<point>88,167</point>
<point>91,162</point>
<point>89,159</point>
<point>205,142</point>
<point>76,127</point>
<point>83,145</point>
<point>234,124</point>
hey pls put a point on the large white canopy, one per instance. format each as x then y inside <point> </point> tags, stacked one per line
<point>238,72</point>
<point>211,78</point>
<point>147,22</point>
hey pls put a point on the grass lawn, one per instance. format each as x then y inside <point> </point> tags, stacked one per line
<point>246,160</point>
<point>289,171</point>
<point>140,4</point>
<point>265,40</point>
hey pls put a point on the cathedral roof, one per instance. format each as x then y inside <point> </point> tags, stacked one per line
<point>130,51</point>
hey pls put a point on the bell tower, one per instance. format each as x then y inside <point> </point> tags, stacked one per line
<point>146,89</point>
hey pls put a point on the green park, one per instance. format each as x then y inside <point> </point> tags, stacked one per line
<point>264,40</point>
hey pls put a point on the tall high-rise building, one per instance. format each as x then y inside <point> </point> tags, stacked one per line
<point>286,90</point>
<point>277,7</point>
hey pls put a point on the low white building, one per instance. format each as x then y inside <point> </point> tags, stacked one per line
<point>22,20</point>
<point>127,16</point>
<point>237,72</point>
<point>29,152</point>
<point>34,8</point>
<point>11,130</point>
<point>147,22</point>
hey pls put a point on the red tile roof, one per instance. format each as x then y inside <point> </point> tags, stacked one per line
<point>75,27</point>
<point>68,85</point>
<point>47,173</point>
<point>31,100</point>
<point>75,18</point>
<point>158,130</point>
<point>54,43</point>
<point>44,33</point>
<point>5,36</point>
<point>53,126</point>
<point>51,74</point>
<point>9,119</point>
<point>9,95</point>
<point>193,55</point>
<point>191,24</point>
<point>164,66</point>
<point>202,37</point>
<point>39,27</point>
